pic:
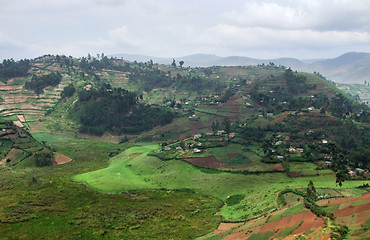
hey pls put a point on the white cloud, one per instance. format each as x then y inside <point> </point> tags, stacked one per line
<point>301,14</point>
<point>174,28</point>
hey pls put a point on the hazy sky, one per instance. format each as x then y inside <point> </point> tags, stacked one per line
<point>174,28</point>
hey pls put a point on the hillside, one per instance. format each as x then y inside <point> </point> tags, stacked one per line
<point>19,148</point>
<point>162,151</point>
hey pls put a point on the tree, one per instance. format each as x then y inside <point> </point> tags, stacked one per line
<point>340,178</point>
<point>173,63</point>
<point>181,63</point>
<point>311,191</point>
<point>226,123</point>
<point>43,159</point>
<point>215,125</point>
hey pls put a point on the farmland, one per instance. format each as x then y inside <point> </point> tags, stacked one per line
<point>233,160</point>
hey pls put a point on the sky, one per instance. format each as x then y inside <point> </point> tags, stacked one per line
<point>264,29</point>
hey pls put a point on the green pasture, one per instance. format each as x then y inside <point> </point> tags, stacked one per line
<point>45,203</point>
<point>133,169</point>
<point>305,168</point>
<point>231,154</point>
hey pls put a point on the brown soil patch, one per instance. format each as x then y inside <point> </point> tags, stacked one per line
<point>61,159</point>
<point>226,227</point>
<point>294,174</point>
<point>182,136</point>
<point>234,104</point>
<point>279,119</point>
<point>10,136</point>
<point>18,124</point>
<point>10,88</point>
<point>11,80</point>
<point>362,216</point>
<point>351,215</point>
<point>195,126</point>
<point>13,153</point>
<point>347,200</point>
<point>349,211</point>
<point>21,118</point>
<point>310,221</point>
<point>277,166</point>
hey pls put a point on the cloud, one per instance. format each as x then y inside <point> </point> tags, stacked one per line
<point>175,28</point>
<point>300,14</point>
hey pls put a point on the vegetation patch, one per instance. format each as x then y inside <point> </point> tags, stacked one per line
<point>261,236</point>
<point>234,199</point>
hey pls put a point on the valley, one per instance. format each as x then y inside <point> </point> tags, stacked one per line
<point>164,151</point>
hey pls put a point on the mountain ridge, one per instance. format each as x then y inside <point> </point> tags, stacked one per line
<point>350,67</point>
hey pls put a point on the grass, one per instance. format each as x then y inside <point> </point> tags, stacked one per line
<point>232,154</point>
<point>46,203</point>
<point>305,168</point>
<point>134,170</point>
<point>153,198</point>
<point>234,199</point>
<point>287,231</point>
<point>261,236</point>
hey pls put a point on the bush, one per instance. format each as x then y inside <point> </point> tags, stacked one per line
<point>43,159</point>
<point>234,199</point>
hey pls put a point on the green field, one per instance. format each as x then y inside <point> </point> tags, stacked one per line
<point>46,203</point>
<point>129,186</point>
<point>134,170</point>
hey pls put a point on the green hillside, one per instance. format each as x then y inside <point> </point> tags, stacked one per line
<point>19,148</point>
<point>163,151</point>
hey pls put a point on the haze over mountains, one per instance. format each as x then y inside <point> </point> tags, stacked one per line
<point>351,67</point>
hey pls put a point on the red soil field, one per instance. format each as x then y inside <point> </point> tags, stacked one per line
<point>61,159</point>
<point>357,215</point>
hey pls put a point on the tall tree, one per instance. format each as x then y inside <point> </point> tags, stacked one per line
<point>181,63</point>
<point>173,63</point>
<point>339,178</point>
<point>227,124</point>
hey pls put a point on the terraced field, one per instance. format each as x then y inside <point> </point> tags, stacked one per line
<point>25,103</point>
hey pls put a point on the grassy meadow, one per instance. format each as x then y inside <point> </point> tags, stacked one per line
<point>46,203</point>
<point>133,169</point>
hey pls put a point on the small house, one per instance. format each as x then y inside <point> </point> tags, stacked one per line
<point>300,150</point>
<point>278,143</point>
<point>220,132</point>
<point>231,135</point>
<point>292,150</point>
<point>196,150</point>
<point>197,136</point>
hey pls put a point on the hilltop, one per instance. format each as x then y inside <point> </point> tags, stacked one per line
<point>350,67</point>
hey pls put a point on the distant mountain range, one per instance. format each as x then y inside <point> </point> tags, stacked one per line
<point>352,67</point>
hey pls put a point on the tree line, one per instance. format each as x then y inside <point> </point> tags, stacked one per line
<point>39,83</point>
<point>10,68</point>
